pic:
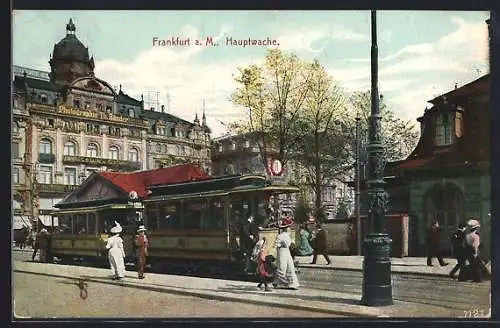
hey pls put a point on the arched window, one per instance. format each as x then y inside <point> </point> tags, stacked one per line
<point>131,112</point>
<point>133,155</point>
<point>70,148</point>
<point>92,150</point>
<point>114,152</point>
<point>45,146</point>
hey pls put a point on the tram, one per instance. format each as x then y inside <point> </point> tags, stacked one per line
<point>191,224</point>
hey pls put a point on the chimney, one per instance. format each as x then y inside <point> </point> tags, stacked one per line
<point>163,108</point>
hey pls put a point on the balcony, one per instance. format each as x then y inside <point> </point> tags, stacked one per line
<point>55,188</point>
<point>46,158</point>
<point>97,161</point>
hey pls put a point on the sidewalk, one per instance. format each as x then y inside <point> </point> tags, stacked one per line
<point>246,292</point>
<point>405,265</point>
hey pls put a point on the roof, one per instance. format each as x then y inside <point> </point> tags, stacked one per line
<point>141,180</point>
<point>35,84</point>
<point>123,98</point>
<point>414,163</point>
<point>154,115</point>
<point>480,86</point>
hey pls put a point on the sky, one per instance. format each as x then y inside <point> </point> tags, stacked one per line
<point>421,53</point>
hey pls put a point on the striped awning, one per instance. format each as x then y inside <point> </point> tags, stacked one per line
<point>19,222</point>
<point>47,220</point>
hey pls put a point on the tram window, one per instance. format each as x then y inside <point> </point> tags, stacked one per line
<point>170,216</point>
<point>91,224</point>
<point>215,217</point>
<point>81,224</point>
<point>65,225</point>
<point>152,218</point>
<point>193,210</point>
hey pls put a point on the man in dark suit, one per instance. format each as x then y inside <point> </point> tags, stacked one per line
<point>319,245</point>
<point>433,244</point>
<point>459,250</point>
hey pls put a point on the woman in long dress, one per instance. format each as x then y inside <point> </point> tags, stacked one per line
<point>305,248</point>
<point>286,276</point>
<point>116,253</point>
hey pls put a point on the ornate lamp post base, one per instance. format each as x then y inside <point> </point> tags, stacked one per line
<point>377,283</point>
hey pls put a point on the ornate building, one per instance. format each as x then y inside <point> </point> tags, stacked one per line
<point>172,140</point>
<point>240,154</point>
<point>69,123</point>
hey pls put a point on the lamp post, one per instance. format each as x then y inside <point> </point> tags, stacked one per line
<point>377,284</point>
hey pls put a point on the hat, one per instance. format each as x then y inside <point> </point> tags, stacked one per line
<point>472,224</point>
<point>43,230</point>
<point>141,228</point>
<point>117,228</point>
<point>286,222</point>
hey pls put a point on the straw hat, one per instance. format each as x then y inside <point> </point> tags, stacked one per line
<point>285,223</point>
<point>472,224</point>
<point>141,228</point>
<point>117,228</point>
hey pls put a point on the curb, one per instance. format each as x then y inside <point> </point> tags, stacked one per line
<point>306,266</point>
<point>208,296</point>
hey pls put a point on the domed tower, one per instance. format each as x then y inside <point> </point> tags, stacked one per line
<point>70,59</point>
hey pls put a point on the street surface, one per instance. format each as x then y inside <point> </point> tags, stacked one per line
<point>441,291</point>
<point>420,290</point>
<point>40,296</point>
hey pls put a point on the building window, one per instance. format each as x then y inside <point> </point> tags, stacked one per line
<point>87,105</point>
<point>15,128</point>
<point>99,107</point>
<point>76,103</point>
<point>92,150</point>
<point>443,129</point>
<point>45,146</point>
<point>131,112</point>
<point>114,131</point>
<point>133,155</point>
<point>44,99</point>
<point>458,124</point>
<point>70,148</point>
<point>109,109</point>
<point>45,174</point>
<point>15,175</point>
<point>113,152</point>
<point>15,150</point>
<point>70,176</point>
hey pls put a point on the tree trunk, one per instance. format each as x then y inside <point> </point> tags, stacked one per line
<point>317,179</point>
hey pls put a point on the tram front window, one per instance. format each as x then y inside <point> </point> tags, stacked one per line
<point>65,225</point>
<point>170,216</point>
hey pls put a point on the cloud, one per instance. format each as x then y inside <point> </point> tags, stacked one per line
<point>302,38</point>
<point>183,79</point>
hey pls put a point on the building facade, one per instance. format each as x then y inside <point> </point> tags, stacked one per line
<point>69,123</point>
<point>241,154</point>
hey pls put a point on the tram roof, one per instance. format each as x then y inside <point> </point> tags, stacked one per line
<point>223,183</point>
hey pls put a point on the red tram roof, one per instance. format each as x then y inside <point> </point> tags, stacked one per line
<point>141,180</point>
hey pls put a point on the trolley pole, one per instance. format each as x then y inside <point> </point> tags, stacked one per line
<point>377,284</point>
<point>358,188</point>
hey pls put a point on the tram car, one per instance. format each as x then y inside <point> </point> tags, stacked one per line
<point>193,224</point>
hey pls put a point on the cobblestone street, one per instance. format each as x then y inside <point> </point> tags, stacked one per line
<point>39,296</point>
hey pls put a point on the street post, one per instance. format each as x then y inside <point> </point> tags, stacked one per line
<point>358,188</point>
<point>377,284</point>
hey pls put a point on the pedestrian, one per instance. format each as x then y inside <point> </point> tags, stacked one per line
<point>433,244</point>
<point>320,245</point>
<point>36,245</point>
<point>459,250</point>
<point>247,240</point>
<point>43,244</point>
<point>116,253</point>
<point>264,265</point>
<point>472,242</point>
<point>286,276</point>
<point>305,248</point>
<point>141,241</point>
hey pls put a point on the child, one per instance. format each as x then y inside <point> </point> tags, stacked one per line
<point>265,267</point>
